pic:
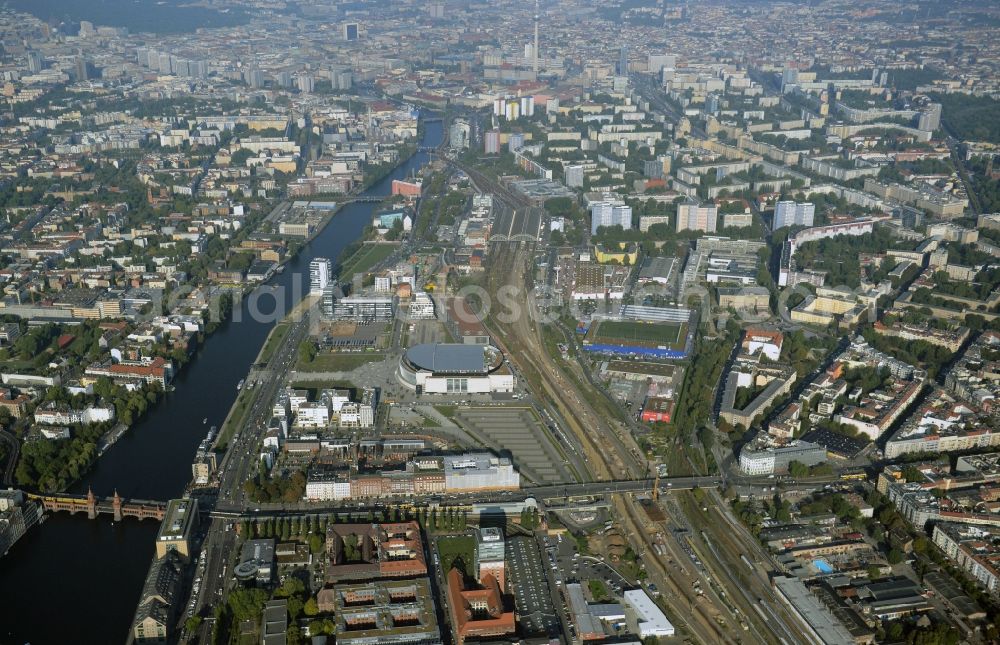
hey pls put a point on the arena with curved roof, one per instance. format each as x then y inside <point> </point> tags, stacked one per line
<point>454,368</point>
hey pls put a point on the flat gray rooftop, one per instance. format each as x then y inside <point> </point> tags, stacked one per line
<point>449,358</point>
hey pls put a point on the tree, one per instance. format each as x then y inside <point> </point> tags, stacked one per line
<point>895,556</point>
<point>797,469</point>
<point>307,351</point>
<point>311,608</point>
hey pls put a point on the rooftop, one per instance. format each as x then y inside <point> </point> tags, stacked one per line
<point>451,358</point>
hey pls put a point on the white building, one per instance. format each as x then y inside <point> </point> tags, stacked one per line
<point>54,415</point>
<point>789,213</point>
<point>609,213</point>
<point>454,368</point>
<point>421,306</point>
<point>313,415</point>
<point>324,487</point>
<point>319,275</point>
<point>697,217</point>
<point>650,620</point>
<point>479,471</point>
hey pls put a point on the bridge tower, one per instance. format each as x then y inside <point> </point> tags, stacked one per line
<point>656,487</point>
<point>116,506</point>
<point>91,504</point>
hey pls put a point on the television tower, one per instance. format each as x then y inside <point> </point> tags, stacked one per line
<point>534,51</point>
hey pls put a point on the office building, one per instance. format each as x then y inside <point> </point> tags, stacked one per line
<point>256,562</point>
<point>479,471</point>
<point>477,614</point>
<point>389,550</point>
<point>648,617</point>
<point>655,63</point>
<point>160,601</point>
<point>350,31</point>
<point>490,555</point>
<point>609,213</point>
<point>789,213</point>
<point>386,612</point>
<point>179,521</point>
<point>697,217</point>
<point>766,460</point>
<point>319,275</point>
<point>362,309</point>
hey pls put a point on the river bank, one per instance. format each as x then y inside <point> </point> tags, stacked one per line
<point>102,567</point>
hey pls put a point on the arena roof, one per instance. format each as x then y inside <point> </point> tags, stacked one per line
<point>449,358</point>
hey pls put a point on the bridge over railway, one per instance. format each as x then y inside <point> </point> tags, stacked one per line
<point>93,506</point>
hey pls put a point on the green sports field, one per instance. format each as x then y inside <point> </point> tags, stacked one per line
<point>627,332</point>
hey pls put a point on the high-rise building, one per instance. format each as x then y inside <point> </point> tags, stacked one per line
<point>34,62</point>
<point>80,67</point>
<point>697,217</point>
<point>350,31</point>
<point>255,78</point>
<point>491,142</point>
<point>789,213</point>
<point>527,106</point>
<point>198,69</point>
<point>574,176</point>
<point>930,118</point>
<point>458,134</point>
<point>319,275</point>
<point>306,83</point>
<point>341,79</point>
<point>656,62</point>
<point>609,213</point>
<point>490,554</point>
<point>181,67</point>
<point>623,61</point>
<point>164,64</point>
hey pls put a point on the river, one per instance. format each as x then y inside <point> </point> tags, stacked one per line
<point>74,580</point>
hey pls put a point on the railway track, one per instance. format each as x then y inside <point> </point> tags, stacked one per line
<point>606,459</point>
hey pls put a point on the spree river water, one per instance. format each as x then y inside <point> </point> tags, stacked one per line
<point>74,580</point>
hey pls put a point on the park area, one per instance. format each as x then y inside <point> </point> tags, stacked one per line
<point>365,258</point>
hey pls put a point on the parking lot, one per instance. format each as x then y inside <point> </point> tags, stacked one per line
<point>517,430</point>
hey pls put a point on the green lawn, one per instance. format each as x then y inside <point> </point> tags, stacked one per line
<point>447,410</point>
<point>658,333</point>
<point>236,418</point>
<point>273,340</point>
<point>458,551</point>
<point>339,362</point>
<point>365,258</point>
<point>598,590</point>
